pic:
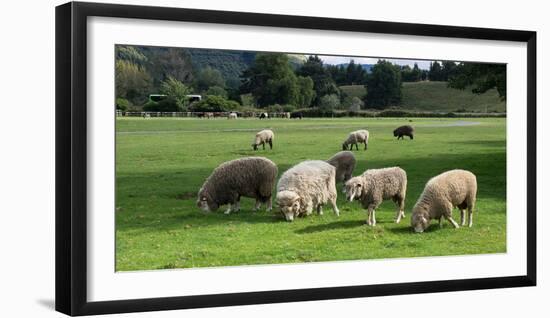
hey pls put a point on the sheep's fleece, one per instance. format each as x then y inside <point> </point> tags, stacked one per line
<point>455,188</point>
<point>344,162</point>
<point>307,186</point>
<point>252,177</point>
<point>377,185</point>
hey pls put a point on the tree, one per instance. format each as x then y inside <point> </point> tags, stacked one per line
<point>208,77</point>
<point>215,104</point>
<point>177,90</point>
<point>329,102</point>
<point>409,74</point>
<point>384,85</point>
<point>217,91</point>
<point>323,84</point>
<point>356,104</point>
<point>130,54</point>
<point>480,77</point>
<point>169,62</point>
<point>435,73</point>
<point>271,80</point>
<point>131,82</point>
<point>306,94</point>
<point>355,74</point>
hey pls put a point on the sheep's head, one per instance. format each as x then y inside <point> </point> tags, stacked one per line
<point>354,188</point>
<point>205,202</point>
<point>344,146</point>
<point>289,204</point>
<point>395,133</point>
<point>420,219</point>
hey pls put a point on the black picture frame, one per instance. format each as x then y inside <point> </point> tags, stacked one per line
<point>71,157</point>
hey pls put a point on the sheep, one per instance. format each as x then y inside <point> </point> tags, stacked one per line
<point>232,116</point>
<point>286,115</point>
<point>296,115</point>
<point>344,162</point>
<point>264,116</point>
<point>263,137</point>
<point>454,188</point>
<point>377,185</point>
<point>405,130</point>
<point>307,186</point>
<point>358,136</point>
<point>252,177</point>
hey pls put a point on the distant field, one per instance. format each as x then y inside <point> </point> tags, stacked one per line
<point>436,96</point>
<point>162,162</point>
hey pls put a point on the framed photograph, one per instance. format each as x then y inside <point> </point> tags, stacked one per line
<point>208,158</point>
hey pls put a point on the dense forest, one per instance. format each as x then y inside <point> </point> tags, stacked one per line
<point>243,80</point>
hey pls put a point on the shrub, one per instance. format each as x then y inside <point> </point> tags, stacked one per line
<point>122,104</point>
<point>168,104</point>
<point>215,103</point>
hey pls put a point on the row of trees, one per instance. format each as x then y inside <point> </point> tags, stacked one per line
<point>272,80</point>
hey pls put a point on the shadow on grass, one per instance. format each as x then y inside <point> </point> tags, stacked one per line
<point>331,226</point>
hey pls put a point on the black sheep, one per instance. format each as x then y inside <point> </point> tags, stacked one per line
<point>406,130</point>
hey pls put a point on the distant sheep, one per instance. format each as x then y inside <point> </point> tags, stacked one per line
<point>286,115</point>
<point>405,130</point>
<point>263,137</point>
<point>232,116</point>
<point>297,115</point>
<point>344,162</point>
<point>377,185</point>
<point>355,137</point>
<point>264,116</point>
<point>252,177</point>
<point>307,186</point>
<point>454,188</point>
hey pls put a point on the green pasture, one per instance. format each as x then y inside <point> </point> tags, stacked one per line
<point>162,162</point>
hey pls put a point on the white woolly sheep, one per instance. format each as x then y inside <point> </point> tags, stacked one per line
<point>264,116</point>
<point>355,137</point>
<point>454,188</point>
<point>344,162</point>
<point>377,185</point>
<point>232,116</point>
<point>307,186</point>
<point>263,137</point>
<point>252,177</point>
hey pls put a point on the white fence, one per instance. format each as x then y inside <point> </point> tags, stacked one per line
<point>206,115</point>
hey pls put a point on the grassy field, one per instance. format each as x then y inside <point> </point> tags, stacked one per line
<point>436,96</point>
<point>161,163</point>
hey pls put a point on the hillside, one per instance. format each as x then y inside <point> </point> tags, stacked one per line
<point>436,96</point>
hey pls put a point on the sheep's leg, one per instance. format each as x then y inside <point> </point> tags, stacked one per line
<point>470,216</point>
<point>257,205</point>
<point>365,145</point>
<point>334,207</point>
<point>450,219</point>
<point>462,217</point>
<point>369,216</point>
<point>320,209</point>
<point>263,145</point>
<point>440,223</point>
<point>400,210</point>
<point>270,144</point>
<point>229,209</point>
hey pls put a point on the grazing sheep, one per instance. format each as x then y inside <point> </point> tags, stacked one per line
<point>307,186</point>
<point>286,115</point>
<point>232,116</point>
<point>344,162</point>
<point>264,116</point>
<point>296,115</point>
<point>252,177</point>
<point>377,185</point>
<point>441,194</point>
<point>355,137</point>
<point>405,130</point>
<point>263,137</point>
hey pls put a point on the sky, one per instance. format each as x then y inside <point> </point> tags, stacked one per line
<point>328,59</point>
